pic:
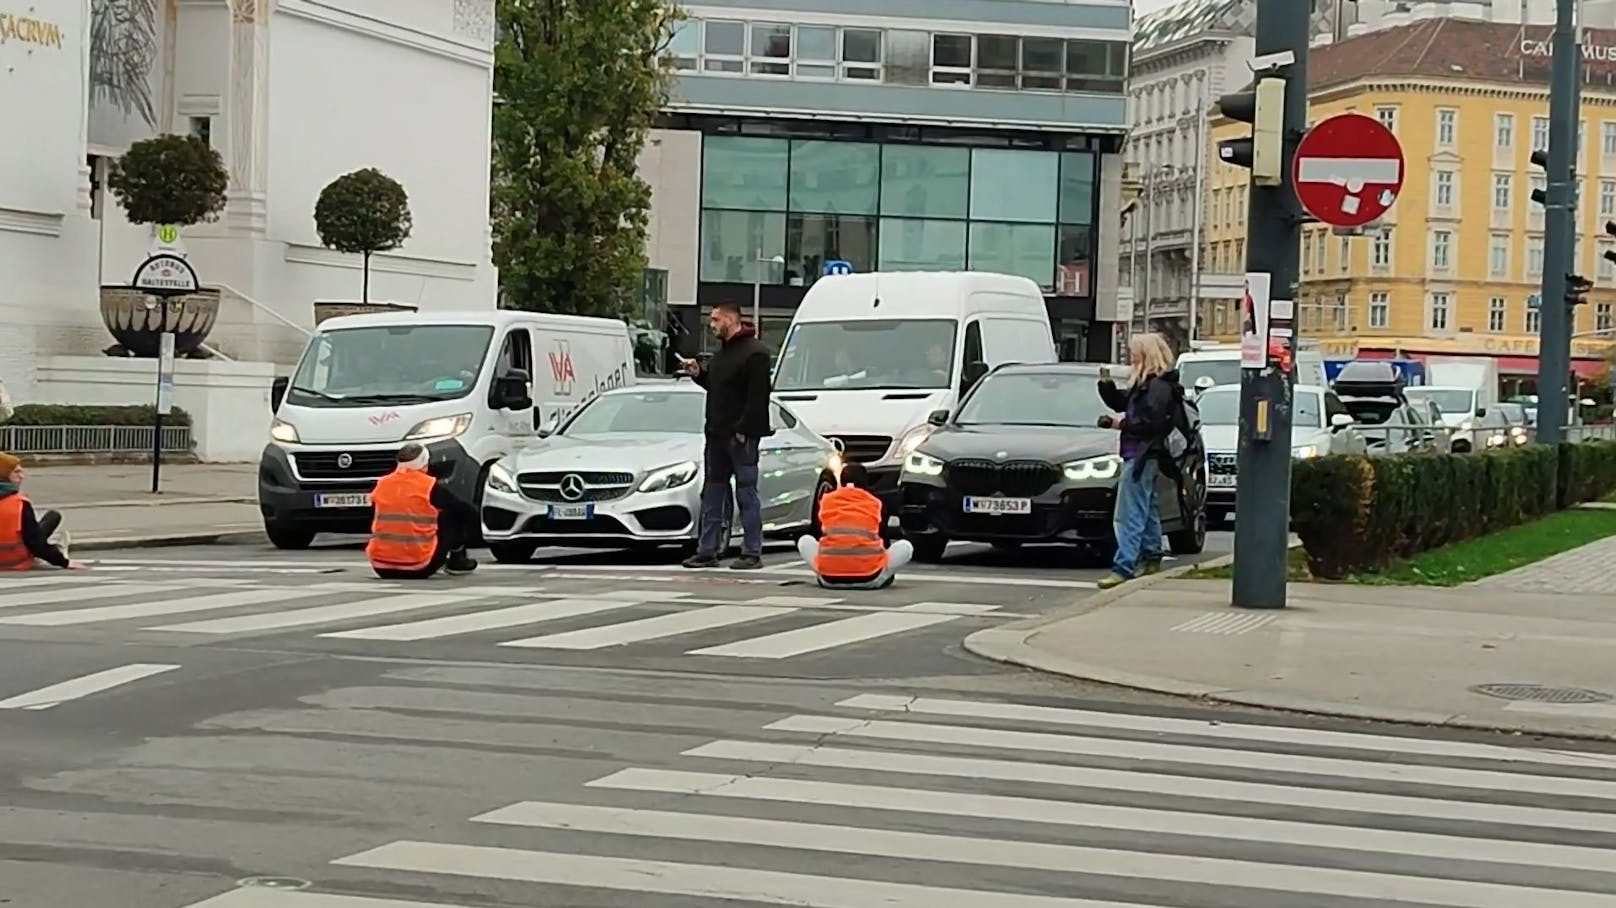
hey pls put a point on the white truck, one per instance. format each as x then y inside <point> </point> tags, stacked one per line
<point>1465,389</point>
<point>1208,365</point>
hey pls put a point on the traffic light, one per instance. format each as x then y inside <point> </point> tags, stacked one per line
<point>1577,288</point>
<point>1609,255</point>
<point>1264,109</point>
<point>1541,159</point>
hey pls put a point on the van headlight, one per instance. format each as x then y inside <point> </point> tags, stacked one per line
<point>922,465</point>
<point>1305,452</point>
<point>664,478</point>
<point>440,427</point>
<point>281,430</point>
<point>501,480</point>
<point>1106,467</point>
<point>912,439</point>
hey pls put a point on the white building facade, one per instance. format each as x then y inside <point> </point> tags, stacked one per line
<point>293,94</point>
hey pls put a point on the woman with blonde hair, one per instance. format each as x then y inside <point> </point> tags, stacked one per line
<point>1144,416</point>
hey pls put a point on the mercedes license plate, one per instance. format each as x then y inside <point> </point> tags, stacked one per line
<point>350,500</point>
<point>1220,481</point>
<point>998,505</point>
<point>571,511</point>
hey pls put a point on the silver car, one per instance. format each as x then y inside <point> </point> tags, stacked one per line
<point>626,470</point>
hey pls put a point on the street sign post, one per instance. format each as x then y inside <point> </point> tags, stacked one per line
<point>161,276</point>
<point>1348,170</point>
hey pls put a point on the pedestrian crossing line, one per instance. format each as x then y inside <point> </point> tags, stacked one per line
<point>1408,773</point>
<point>333,614</point>
<point>921,846</point>
<point>1153,783</point>
<point>81,593</point>
<point>264,897</point>
<point>703,881</point>
<point>1245,733</point>
<point>473,622</point>
<point>798,568</point>
<point>644,629</point>
<point>844,632</point>
<point>55,695</point>
<point>1111,818</point>
<point>208,602</point>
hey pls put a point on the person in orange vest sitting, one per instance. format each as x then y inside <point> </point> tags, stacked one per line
<point>26,537</point>
<point>850,553</point>
<point>420,526</point>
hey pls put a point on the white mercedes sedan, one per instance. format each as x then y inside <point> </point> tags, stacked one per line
<point>626,470</point>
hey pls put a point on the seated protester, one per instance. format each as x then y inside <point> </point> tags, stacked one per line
<point>24,536</point>
<point>420,525</point>
<point>850,554</point>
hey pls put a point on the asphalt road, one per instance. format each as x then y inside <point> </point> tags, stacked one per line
<point>233,727</point>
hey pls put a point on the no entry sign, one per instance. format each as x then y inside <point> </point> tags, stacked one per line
<point>1348,170</point>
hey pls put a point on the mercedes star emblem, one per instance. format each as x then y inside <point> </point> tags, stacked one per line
<point>572,487</point>
<point>344,461</point>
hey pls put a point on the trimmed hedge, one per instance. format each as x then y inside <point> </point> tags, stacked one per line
<point>1360,514</point>
<point>75,415</point>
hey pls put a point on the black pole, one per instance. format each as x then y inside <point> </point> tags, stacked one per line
<point>1554,326</point>
<point>157,399</point>
<point>1273,246</point>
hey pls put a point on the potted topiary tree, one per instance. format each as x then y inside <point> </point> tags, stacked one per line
<point>169,181</point>
<point>364,212</point>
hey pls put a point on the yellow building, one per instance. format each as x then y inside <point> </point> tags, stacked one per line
<point>1460,256</point>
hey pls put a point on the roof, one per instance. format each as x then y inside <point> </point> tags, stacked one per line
<point>1189,18</point>
<point>1453,48</point>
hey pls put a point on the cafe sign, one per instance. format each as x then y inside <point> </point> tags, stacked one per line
<point>1463,345</point>
<point>16,28</point>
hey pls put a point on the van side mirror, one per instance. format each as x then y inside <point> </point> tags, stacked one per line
<point>938,417</point>
<point>972,374</point>
<point>277,391</point>
<point>510,391</point>
<point>1341,421</point>
<point>1203,383</point>
<point>1480,412</point>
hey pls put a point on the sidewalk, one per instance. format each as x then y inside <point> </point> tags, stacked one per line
<point>112,505</point>
<point>1545,633</point>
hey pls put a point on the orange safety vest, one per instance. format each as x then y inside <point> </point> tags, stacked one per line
<point>404,532</point>
<point>14,554</point>
<point>850,545</point>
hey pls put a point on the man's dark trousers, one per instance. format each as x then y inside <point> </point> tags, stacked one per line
<point>453,536</point>
<point>726,457</point>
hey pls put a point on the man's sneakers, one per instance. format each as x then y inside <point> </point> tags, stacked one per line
<point>747,563</point>
<point>743,563</point>
<point>699,560</point>
<point>459,563</point>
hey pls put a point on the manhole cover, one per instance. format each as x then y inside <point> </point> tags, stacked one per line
<point>273,882</point>
<point>1537,693</point>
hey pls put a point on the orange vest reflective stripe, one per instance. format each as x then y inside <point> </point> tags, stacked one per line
<point>404,532</point>
<point>14,554</point>
<point>850,541</point>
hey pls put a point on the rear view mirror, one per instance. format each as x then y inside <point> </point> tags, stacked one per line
<point>1341,421</point>
<point>277,392</point>
<point>937,417</point>
<point>510,391</point>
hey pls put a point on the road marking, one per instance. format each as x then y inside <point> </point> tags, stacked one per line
<point>1407,773</point>
<point>80,593</point>
<point>76,688</point>
<point>921,846</point>
<point>209,602</point>
<point>1154,783</point>
<point>699,881</point>
<point>844,632</point>
<point>1223,623</point>
<point>331,614</point>
<point>1109,818</point>
<point>918,576</point>
<point>452,625</point>
<point>260,897</point>
<point>1245,733</point>
<point>652,628</point>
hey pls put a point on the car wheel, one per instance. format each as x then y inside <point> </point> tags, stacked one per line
<point>288,538</point>
<point>825,486</point>
<point>512,552</point>
<point>1191,540</point>
<point>1461,447</point>
<point>930,548</point>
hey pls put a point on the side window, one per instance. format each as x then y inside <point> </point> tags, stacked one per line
<point>1333,406</point>
<point>516,353</point>
<point>781,418</point>
<point>972,352</point>
<point>1010,340</point>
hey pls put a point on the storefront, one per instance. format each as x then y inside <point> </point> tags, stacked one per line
<point>1516,355</point>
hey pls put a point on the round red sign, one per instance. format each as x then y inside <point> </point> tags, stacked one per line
<point>1348,170</point>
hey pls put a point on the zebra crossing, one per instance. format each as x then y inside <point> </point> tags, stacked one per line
<point>982,804</point>
<point>509,617</point>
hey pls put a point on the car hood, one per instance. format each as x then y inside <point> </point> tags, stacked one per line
<point>1056,444</point>
<point>616,452</point>
<point>1225,439</point>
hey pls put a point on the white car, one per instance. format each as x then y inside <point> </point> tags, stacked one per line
<point>1320,425</point>
<point>626,470</point>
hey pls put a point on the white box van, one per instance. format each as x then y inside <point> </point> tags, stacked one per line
<point>471,386</point>
<point>1221,365</point>
<point>870,356</point>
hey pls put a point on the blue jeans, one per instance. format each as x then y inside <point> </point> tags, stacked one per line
<point>1136,521</point>
<point>726,459</point>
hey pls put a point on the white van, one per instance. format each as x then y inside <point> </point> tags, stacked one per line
<point>1201,368</point>
<point>471,386</point>
<point>870,356</point>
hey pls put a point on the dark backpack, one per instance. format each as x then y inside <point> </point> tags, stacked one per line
<point>1186,424</point>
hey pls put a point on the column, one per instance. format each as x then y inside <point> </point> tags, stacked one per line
<point>83,195</point>
<point>248,113</point>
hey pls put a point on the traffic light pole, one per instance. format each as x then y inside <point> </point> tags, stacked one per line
<point>1554,344</point>
<point>1273,245</point>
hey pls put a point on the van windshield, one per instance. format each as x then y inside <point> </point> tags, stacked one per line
<point>1450,400</point>
<point>906,354</point>
<point>1221,371</point>
<point>390,364</point>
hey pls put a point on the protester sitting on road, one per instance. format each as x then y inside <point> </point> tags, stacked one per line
<point>420,526</point>
<point>849,553</point>
<point>1144,417</point>
<point>26,538</point>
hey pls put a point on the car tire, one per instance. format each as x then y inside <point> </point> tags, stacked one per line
<point>288,538</point>
<point>929,548</point>
<point>515,552</point>
<point>1190,540</point>
<point>826,484</point>
<point>1460,447</point>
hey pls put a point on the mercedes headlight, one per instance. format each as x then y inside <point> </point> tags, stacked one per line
<point>1305,452</point>
<point>501,480</point>
<point>660,480</point>
<point>912,439</point>
<point>922,465</point>
<point>281,430</point>
<point>440,427</point>
<point>1106,467</point>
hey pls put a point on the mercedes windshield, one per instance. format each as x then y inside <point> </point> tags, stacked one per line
<point>635,412</point>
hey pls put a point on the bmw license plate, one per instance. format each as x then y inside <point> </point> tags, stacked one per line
<point>1220,481</point>
<point>350,500</point>
<point>571,511</point>
<point>998,505</point>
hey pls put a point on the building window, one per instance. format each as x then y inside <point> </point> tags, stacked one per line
<point>835,177</point>
<point>1540,133</point>
<point>1441,250</point>
<point>1444,189</point>
<point>1495,314</point>
<point>1504,131</point>
<point>1344,254</point>
<point>732,242</point>
<point>1602,321</point>
<point>1447,127</point>
<point>1024,249</point>
<point>1043,63</point>
<point>951,59</point>
<point>861,54</point>
<point>998,58</point>
<point>202,128</point>
<point>1605,268</point>
<point>1441,304</point>
<point>1498,256</point>
<point>925,181</point>
<point>723,46</point>
<point>1501,187</point>
<point>1077,180</point>
<point>816,52</point>
<point>745,172</point>
<point>814,239</point>
<point>1534,319</point>
<point>1320,250</point>
<point>1096,65</point>
<point>771,49</point>
<point>1534,256</point>
<point>1607,198</point>
<point>1387,115</point>
<point>1307,253</point>
<point>1380,252</point>
<point>1379,309</point>
<point>684,45</point>
<point>911,244</point>
<point>1014,185</point>
<point>1607,139</point>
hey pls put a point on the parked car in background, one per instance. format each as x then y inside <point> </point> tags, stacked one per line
<point>1391,420</point>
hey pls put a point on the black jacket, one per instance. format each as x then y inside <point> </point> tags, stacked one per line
<point>1148,410</point>
<point>737,383</point>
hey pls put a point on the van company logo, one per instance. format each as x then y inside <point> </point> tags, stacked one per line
<point>561,368</point>
<point>384,418</point>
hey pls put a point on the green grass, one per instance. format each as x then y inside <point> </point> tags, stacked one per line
<point>1295,569</point>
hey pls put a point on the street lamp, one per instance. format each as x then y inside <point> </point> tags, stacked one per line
<point>757,286</point>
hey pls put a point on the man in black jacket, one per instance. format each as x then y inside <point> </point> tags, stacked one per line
<point>737,421</point>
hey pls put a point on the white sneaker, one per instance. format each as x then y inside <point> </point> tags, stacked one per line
<point>63,540</point>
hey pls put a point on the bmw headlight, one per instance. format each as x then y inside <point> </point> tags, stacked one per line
<point>922,465</point>
<point>660,480</point>
<point>440,427</point>
<point>501,480</point>
<point>281,430</point>
<point>912,439</point>
<point>1305,452</point>
<point>1106,467</point>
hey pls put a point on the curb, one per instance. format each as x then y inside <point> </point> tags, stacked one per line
<point>121,458</point>
<point>158,500</point>
<point>243,534</point>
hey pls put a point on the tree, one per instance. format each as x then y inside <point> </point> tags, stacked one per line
<point>364,212</point>
<point>170,179</point>
<point>578,87</point>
